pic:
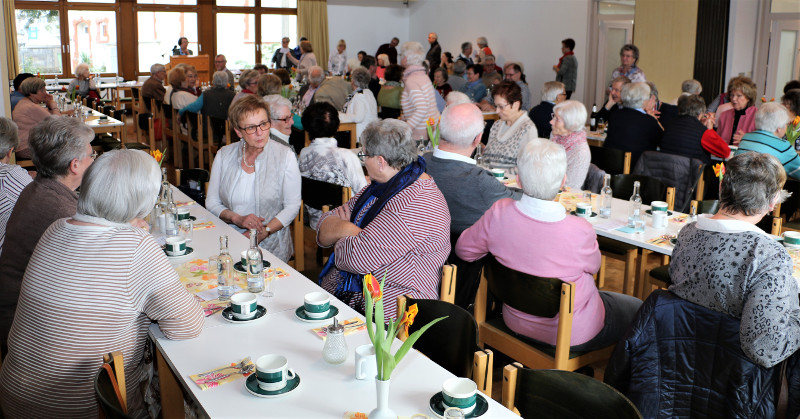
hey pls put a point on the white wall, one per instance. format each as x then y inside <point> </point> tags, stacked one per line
<point>5,102</point>
<point>742,38</point>
<point>366,25</point>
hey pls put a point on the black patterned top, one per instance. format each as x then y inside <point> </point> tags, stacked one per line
<point>733,267</point>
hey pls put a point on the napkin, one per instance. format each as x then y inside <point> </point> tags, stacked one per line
<point>662,240</point>
<point>216,377</point>
<point>680,219</point>
<point>184,203</point>
<point>362,415</point>
<point>351,326</point>
<point>629,230</point>
<point>203,226</point>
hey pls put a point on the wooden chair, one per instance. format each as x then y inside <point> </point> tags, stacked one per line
<point>299,261</point>
<point>453,342</point>
<point>447,288</point>
<point>344,126</point>
<point>109,387</point>
<point>322,196</point>
<point>171,128</point>
<point>611,160</point>
<point>218,133</point>
<point>136,103</point>
<point>194,183</point>
<point>197,139</point>
<point>541,297</point>
<point>558,394</point>
<point>145,130</point>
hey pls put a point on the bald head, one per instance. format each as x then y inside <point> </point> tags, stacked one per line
<point>461,125</point>
<point>316,75</point>
<point>432,37</point>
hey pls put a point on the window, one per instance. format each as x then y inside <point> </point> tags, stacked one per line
<point>273,29</point>
<point>177,2</point>
<point>39,41</point>
<point>236,38</point>
<point>92,41</point>
<point>159,32</point>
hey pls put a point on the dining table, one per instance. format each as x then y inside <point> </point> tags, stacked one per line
<point>325,390</point>
<point>101,123</point>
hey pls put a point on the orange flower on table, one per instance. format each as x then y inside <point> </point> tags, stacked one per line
<point>373,287</point>
<point>796,121</point>
<point>719,170</point>
<point>408,317</point>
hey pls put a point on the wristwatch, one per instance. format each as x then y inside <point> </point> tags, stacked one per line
<point>269,230</point>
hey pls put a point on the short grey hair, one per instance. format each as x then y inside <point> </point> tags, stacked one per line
<point>9,136</point>
<point>456,98</point>
<point>771,116</point>
<point>80,68</point>
<point>275,102</point>
<point>221,79</point>
<point>465,45</point>
<point>413,53</point>
<point>390,139</point>
<point>56,142</point>
<point>459,67</point>
<point>360,77</point>
<point>634,95</point>
<point>691,86</point>
<point>551,90</point>
<point>442,70</point>
<point>155,68</point>
<point>653,89</point>
<point>460,124</point>
<point>319,77</point>
<point>691,105</point>
<point>134,194</point>
<point>482,41</point>
<point>541,166</point>
<point>248,76</point>
<point>573,113</point>
<point>751,183</point>
<point>31,85</point>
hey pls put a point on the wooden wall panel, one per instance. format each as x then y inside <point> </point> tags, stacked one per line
<point>711,46</point>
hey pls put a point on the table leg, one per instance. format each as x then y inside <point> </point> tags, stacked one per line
<point>171,394</point>
<point>641,281</point>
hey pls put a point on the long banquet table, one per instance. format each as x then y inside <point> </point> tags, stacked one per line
<point>325,390</point>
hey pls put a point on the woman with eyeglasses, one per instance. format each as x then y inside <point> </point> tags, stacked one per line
<point>255,182</point>
<point>180,95</point>
<point>567,122</point>
<point>249,82</point>
<point>511,130</point>
<point>29,111</point>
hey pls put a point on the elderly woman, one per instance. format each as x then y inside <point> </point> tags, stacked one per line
<point>281,119</point>
<point>567,130</point>
<point>29,111</point>
<point>179,96</point>
<point>280,59</point>
<point>739,119</point>
<point>553,92</point>
<point>191,79</point>
<point>751,279</point>
<point>61,153</point>
<point>117,303</point>
<point>474,87</point>
<point>306,61</point>
<point>269,84</point>
<point>248,80</point>
<point>771,120</point>
<point>629,56</point>
<point>255,182</point>
<point>418,98</point>
<point>390,93</point>
<point>12,177</point>
<point>398,226</point>
<point>383,62</point>
<point>692,134</point>
<point>361,107</point>
<point>323,159</point>
<point>83,82</point>
<point>483,49</point>
<point>214,101</point>
<point>440,82</point>
<point>570,252</point>
<point>631,128</point>
<point>510,131</point>
<point>337,63</point>
<point>791,101</point>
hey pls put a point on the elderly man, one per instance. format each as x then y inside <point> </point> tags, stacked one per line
<point>371,64</point>
<point>631,128</point>
<point>614,100</point>
<point>457,80</point>
<point>553,93</point>
<point>153,88</point>
<point>334,90</point>
<point>629,56</point>
<point>664,112</point>
<point>390,50</point>
<point>474,87</point>
<point>771,121</point>
<point>316,75</point>
<point>279,58</point>
<point>221,64</point>
<point>492,74</point>
<point>419,97</point>
<point>468,189</point>
<point>434,55</point>
<point>513,72</point>
<point>280,119</point>
<point>61,153</point>
<point>466,53</point>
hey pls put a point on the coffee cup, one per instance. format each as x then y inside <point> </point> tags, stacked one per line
<point>244,305</point>
<point>317,304</point>
<point>272,371</point>
<point>176,246</point>
<point>183,213</point>
<point>658,206</point>
<point>660,219</point>
<point>499,173</point>
<point>244,259</point>
<point>583,209</point>
<point>791,238</point>
<point>366,364</point>
<point>461,393</point>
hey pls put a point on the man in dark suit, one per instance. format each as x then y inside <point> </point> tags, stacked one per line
<point>632,128</point>
<point>390,50</point>
<point>434,55</point>
<point>614,100</point>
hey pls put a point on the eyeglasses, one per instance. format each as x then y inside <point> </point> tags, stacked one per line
<point>363,156</point>
<point>554,116</point>
<point>253,128</point>
<point>93,154</point>
<point>502,106</point>
<point>284,120</point>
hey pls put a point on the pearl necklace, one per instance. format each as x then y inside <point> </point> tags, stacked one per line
<point>244,160</point>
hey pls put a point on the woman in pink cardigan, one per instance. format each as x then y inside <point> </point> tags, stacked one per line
<point>740,118</point>
<point>536,236</point>
<point>418,99</point>
<point>29,111</point>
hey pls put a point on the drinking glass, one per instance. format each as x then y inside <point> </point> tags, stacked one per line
<point>186,229</point>
<point>453,413</point>
<point>213,267</point>
<point>269,282</point>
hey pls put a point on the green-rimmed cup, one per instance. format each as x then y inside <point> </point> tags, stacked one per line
<point>658,206</point>
<point>183,213</point>
<point>792,238</point>
<point>175,246</point>
<point>461,393</point>
<point>317,304</point>
<point>244,305</point>
<point>272,371</point>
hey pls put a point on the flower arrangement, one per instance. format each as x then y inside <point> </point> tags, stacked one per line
<point>382,339</point>
<point>793,130</point>
<point>159,155</point>
<point>433,130</point>
<point>719,170</point>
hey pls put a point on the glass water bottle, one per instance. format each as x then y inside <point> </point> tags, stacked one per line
<point>226,277</point>
<point>606,197</point>
<point>255,266</point>
<point>635,209</point>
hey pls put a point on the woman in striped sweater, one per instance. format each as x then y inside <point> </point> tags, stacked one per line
<point>93,285</point>
<point>418,98</point>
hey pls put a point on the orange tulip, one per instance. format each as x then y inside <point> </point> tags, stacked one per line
<point>408,317</point>
<point>374,287</point>
<point>719,170</point>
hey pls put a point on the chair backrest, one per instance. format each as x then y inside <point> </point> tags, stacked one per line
<point>530,294</point>
<point>217,131</point>
<point>109,387</point>
<point>452,342</point>
<point>562,394</point>
<point>709,206</point>
<point>109,110</point>
<point>316,193</point>
<point>195,122</point>
<point>651,189</point>
<point>611,160</point>
<point>681,172</point>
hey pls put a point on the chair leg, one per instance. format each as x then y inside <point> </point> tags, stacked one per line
<point>628,283</point>
<point>510,385</point>
<point>642,282</point>
<point>601,274</point>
